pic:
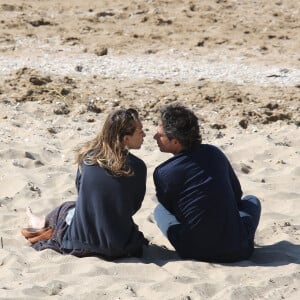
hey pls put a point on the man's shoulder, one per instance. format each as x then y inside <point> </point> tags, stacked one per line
<point>207,148</point>
<point>183,158</point>
<point>170,164</point>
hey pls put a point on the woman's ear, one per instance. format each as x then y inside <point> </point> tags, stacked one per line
<point>125,140</point>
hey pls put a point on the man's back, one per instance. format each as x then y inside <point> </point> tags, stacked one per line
<point>201,189</point>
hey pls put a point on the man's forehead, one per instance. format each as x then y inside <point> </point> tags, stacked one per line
<point>160,124</point>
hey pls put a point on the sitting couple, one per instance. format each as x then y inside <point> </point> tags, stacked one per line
<point>201,210</point>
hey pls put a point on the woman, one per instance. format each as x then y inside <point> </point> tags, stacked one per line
<point>111,185</point>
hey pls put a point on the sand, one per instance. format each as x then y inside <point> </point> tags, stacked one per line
<point>65,64</point>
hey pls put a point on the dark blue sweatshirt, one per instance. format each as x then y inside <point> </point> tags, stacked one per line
<point>201,189</point>
<point>103,223</point>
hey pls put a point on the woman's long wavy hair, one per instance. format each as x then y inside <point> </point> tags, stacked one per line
<point>107,149</point>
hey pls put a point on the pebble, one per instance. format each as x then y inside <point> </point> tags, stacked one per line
<point>173,66</point>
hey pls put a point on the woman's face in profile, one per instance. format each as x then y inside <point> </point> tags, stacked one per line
<point>136,140</point>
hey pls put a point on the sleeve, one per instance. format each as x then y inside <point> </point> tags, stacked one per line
<point>164,191</point>
<point>135,186</point>
<point>236,186</point>
<point>78,179</point>
<point>142,177</point>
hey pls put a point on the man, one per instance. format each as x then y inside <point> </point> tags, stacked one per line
<point>201,210</point>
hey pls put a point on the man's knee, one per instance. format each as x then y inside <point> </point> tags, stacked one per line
<point>253,199</point>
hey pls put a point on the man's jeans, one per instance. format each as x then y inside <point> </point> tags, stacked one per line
<point>164,219</point>
<point>250,210</point>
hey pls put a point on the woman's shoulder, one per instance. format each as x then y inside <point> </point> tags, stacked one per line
<point>136,161</point>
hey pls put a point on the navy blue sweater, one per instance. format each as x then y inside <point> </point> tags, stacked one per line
<point>201,189</point>
<point>103,223</point>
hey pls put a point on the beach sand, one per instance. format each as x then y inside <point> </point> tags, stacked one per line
<point>65,64</point>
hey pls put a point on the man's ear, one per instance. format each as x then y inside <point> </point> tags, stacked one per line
<point>177,147</point>
<point>175,141</point>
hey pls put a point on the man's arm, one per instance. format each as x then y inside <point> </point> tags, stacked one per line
<point>236,186</point>
<point>164,191</point>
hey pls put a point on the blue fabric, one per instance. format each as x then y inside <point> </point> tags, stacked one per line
<point>102,223</point>
<point>201,189</point>
<point>56,220</point>
<point>250,210</point>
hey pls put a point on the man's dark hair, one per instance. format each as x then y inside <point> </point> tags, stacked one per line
<point>181,123</point>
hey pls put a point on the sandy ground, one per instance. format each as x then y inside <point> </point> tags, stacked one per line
<point>65,64</point>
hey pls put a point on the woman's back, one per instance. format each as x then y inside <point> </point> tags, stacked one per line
<point>102,223</point>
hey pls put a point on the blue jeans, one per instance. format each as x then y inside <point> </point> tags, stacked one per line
<point>249,210</point>
<point>70,215</point>
<point>164,219</point>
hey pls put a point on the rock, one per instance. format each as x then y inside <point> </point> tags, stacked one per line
<point>243,123</point>
<point>53,288</point>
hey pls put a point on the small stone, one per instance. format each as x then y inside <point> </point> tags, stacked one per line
<point>29,155</point>
<point>245,168</point>
<point>79,68</point>
<point>218,126</point>
<point>39,80</point>
<point>243,123</point>
<point>54,288</point>
<point>101,52</point>
<point>186,298</point>
<point>62,109</point>
<point>52,130</point>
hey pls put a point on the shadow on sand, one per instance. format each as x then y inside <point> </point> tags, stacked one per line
<point>279,254</point>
